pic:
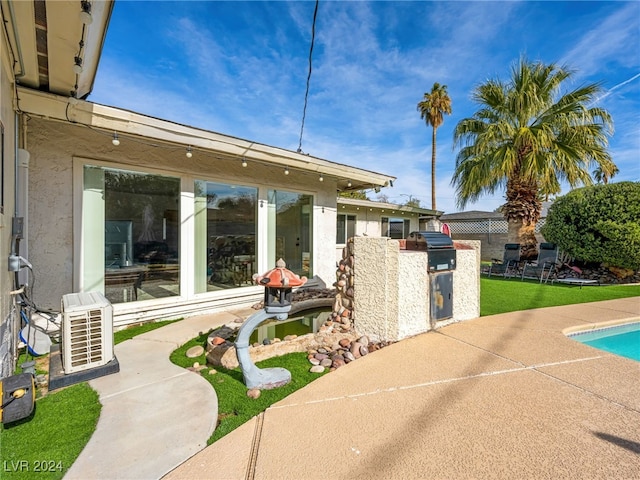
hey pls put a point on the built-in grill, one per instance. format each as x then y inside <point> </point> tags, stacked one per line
<point>442,254</point>
<point>441,260</point>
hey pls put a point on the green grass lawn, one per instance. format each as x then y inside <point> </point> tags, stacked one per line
<point>499,295</point>
<point>45,444</point>
<point>234,407</point>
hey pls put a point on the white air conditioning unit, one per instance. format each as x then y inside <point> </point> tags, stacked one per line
<point>87,331</point>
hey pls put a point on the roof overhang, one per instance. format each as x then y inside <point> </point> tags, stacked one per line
<point>45,37</point>
<point>351,204</point>
<point>110,120</point>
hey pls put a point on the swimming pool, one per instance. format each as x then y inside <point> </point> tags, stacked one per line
<point>623,340</point>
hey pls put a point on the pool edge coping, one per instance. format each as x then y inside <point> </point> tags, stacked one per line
<point>591,327</point>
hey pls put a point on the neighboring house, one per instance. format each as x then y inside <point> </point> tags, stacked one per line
<point>167,220</point>
<point>488,227</point>
<point>378,219</point>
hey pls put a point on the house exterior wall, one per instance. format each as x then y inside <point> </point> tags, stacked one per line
<point>369,223</point>
<point>58,151</point>
<point>9,321</point>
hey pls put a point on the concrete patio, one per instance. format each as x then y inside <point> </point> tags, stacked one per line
<point>506,396</point>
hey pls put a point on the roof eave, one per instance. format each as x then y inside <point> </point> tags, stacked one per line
<point>354,202</point>
<point>127,123</point>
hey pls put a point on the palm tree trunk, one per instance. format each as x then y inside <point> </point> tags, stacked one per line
<point>519,231</point>
<point>433,169</point>
<point>522,212</point>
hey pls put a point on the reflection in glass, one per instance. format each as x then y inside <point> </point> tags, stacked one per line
<point>141,235</point>
<point>346,228</point>
<point>397,228</point>
<point>290,229</point>
<point>225,217</point>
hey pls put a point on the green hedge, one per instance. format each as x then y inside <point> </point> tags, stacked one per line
<point>600,223</point>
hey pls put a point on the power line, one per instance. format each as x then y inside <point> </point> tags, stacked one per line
<point>306,93</point>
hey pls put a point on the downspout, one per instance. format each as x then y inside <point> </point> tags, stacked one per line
<point>15,37</point>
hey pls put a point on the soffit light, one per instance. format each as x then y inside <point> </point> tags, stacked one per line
<point>85,14</point>
<point>244,162</point>
<point>116,140</point>
<point>189,153</point>
<point>77,66</point>
<point>321,178</point>
<point>286,170</point>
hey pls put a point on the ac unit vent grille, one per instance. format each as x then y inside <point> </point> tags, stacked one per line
<point>87,331</point>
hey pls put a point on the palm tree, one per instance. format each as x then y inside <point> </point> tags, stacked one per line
<point>602,176</point>
<point>432,109</point>
<point>528,138</point>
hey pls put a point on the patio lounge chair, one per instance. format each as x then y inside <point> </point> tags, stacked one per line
<point>510,263</point>
<point>544,266</point>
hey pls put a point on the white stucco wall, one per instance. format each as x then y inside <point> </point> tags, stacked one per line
<point>466,281</point>
<point>54,146</point>
<point>391,298</point>
<point>373,260</point>
<point>392,288</point>
<point>413,294</point>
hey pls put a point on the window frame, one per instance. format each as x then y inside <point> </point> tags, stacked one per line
<point>346,227</point>
<point>406,227</point>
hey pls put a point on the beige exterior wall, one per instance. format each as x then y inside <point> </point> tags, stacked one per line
<point>392,288</point>
<point>8,321</point>
<point>58,151</point>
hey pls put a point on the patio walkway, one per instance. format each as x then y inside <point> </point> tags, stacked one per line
<point>155,415</point>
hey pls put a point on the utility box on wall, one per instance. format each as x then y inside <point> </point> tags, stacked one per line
<point>441,295</point>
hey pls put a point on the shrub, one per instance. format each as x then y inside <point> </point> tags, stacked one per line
<point>600,223</point>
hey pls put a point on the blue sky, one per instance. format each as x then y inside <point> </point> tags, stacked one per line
<point>240,68</point>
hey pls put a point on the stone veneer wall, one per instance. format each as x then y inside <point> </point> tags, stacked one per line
<point>391,286</point>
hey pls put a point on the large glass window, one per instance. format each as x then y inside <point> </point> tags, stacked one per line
<point>131,234</point>
<point>290,230</point>
<point>225,237</point>
<point>397,228</point>
<point>346,228</point>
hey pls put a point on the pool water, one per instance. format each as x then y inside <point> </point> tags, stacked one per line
<point>299,324</point>
<point>623,340</point>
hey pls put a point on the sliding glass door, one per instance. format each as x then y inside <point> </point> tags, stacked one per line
<point>225,235</point>
<point>131,234</point>
<point>290,230</point>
